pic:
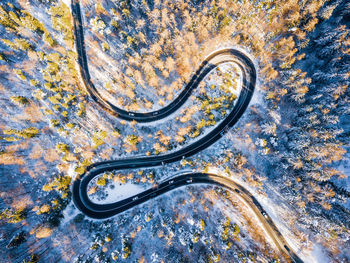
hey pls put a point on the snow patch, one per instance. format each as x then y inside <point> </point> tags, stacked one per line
<point>67,2</point>
<point>117,192</point>
<point>69,213</point>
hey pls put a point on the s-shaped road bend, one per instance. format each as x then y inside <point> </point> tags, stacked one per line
<point>102,211</point>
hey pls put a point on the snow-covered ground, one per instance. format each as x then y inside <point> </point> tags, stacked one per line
<point>117,191</point>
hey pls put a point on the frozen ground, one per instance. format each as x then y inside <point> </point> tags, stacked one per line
<point>117,191</point>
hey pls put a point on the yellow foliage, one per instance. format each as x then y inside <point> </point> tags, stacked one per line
<point>43,232</point>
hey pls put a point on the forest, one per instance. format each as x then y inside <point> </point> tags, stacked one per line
<point>290,149</point>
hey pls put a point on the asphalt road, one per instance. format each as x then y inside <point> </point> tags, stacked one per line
<point>102,211</point>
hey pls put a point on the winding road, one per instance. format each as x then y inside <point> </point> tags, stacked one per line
<point>102,211</point>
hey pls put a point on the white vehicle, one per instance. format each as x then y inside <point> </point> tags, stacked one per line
<point>189,181</point>
<point>171,182</point>
<point>131,114</point>
<point>135,198</point>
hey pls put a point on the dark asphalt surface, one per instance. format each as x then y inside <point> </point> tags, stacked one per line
<point>102,211</point>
